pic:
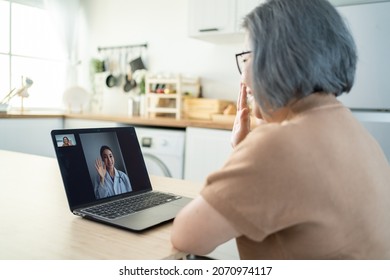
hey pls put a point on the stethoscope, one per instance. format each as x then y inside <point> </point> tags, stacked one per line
<point>113,177</point>
<point>120,178</point>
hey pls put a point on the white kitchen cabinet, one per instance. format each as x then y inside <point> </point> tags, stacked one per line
<point>30,136</point>
<point>212,18</point>
<point>206,151</point>
<point>209,18</point>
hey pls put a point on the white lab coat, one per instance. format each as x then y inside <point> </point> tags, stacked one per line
<point>120,184</point>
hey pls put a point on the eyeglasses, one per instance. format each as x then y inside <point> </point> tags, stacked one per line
<point>241,59</point>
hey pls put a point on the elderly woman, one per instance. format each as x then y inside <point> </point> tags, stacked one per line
<point>309,182</point>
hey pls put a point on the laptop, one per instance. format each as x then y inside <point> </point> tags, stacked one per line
<point>106,179</point>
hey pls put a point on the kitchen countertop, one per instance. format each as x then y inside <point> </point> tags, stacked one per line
<point>32,114</point>
<point>133,120</point>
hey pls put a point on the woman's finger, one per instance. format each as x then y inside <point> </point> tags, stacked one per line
<point>243,97</point>
<point>241,100</point>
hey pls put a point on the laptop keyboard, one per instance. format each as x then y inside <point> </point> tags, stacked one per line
<point>126,206</point>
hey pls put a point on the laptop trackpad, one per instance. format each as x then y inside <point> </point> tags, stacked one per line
<point>150,217</point>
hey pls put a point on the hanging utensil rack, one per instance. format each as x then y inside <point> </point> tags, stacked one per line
<point>123,47</point>
<point>111,81</point>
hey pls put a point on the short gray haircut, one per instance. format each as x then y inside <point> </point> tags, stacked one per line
<point>299,47</point>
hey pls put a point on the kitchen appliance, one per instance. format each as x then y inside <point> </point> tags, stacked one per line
<point>369,99</point>
<point>163,150</point>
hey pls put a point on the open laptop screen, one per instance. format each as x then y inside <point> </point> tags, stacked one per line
<point>85,156</point>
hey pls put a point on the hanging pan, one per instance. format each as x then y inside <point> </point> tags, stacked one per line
<point>137,64</point>
<point>111,79</point>
<point>129,82</point>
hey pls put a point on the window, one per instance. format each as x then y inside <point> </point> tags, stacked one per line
<point>30,46</point>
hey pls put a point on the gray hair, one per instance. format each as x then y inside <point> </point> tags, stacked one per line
<point>299,47</point>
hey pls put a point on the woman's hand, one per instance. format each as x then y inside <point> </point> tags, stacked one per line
<point>242,122</point>
<point>101,169</point>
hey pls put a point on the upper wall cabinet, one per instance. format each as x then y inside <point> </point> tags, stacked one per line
<point>209,18</point>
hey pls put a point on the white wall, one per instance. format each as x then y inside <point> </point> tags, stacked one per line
<point>371,89</point>
<point>163,24</point>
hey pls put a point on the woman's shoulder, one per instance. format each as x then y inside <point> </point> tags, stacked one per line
<point>271,132</point>
<point>272,139</point>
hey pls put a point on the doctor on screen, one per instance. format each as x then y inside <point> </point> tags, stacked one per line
<point>110,181</point>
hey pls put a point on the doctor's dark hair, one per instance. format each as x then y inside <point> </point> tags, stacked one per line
<point>299,47</point>
<point>104,147</point>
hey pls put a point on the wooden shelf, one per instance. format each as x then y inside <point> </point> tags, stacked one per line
<point>163,95</point>
<point>183,80</point>
<point>167,103</point>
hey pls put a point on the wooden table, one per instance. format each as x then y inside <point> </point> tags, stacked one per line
<point>36,223</point>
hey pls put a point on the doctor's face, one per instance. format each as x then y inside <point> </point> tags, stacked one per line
<point>108,159</point>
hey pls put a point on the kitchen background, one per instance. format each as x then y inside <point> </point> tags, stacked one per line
<point>164,26</point>
<point>170,28</point>
<point>175,45</point>
<point>195,38</point>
